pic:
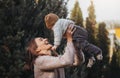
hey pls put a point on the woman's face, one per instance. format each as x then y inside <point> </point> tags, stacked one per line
<point>43,44</point>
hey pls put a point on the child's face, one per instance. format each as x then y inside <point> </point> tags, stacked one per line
<point>50,26</point>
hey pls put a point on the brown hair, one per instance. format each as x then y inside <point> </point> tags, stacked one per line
<point>32,46</point>
<point>31,53</point>
<point>50,20</point>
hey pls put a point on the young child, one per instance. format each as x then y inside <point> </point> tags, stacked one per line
<point>80,36</point>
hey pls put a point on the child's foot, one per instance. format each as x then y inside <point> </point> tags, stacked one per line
<point>99,57</point>
<point>91,62</point>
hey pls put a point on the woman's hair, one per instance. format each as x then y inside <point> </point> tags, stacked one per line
<point>31,53</point>
<point>32,46</point>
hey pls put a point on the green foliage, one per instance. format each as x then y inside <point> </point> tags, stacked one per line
<point>103,43</point>
<point>90,24</point>
<point>118,57</point>
<point>117,52</point>
<point>21,20</point>
<point>103,40</point>
<point>90,27</point>
<point>114,66</point>
<point>91,31</point>
<point>91,13</point>
<point>76,14</point>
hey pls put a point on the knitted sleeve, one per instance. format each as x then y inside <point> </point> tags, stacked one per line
<point>51,62</point>
<point>58,33</point>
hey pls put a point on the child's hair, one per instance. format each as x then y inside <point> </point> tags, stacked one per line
<point>50,20</point>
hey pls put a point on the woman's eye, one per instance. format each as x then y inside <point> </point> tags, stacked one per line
<point>40,39</point>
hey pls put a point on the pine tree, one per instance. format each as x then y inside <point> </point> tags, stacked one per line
<point>103,40</point>
<point>103,43</point>
<point>76,14</point>
<point>91,13</point>
<point>115,63</point>
<point>90,27</point>
<point>90,24</point>
<point>117,51</point>
<point>21,20</point>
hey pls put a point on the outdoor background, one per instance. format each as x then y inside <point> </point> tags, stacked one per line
<point>21,20</point>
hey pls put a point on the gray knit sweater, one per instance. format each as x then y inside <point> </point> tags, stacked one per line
<point>59,29</point>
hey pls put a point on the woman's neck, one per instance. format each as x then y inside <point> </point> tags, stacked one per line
<point>45,52</point>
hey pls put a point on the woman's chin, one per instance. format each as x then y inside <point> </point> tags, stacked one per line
<point>50,47</point>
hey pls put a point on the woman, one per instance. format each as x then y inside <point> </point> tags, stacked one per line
<point>48,66</point>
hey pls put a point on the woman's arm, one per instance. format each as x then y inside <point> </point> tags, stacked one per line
<point>51,62</point>
<point>78,59</point>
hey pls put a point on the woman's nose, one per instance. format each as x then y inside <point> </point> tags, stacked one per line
<point>45,39</point>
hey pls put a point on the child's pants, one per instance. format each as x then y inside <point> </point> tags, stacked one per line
<point>80,37</point>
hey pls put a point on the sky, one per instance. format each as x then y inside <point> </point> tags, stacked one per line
<point>105,10</point>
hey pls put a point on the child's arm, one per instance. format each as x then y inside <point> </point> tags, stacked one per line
<point>58,33</point>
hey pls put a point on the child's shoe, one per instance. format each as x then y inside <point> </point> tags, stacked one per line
<point>91,62</point>
<point>99,57</point>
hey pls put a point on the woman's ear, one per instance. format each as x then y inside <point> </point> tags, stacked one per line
<point>38,49</point>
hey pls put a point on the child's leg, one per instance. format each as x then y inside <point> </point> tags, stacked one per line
<point>94,51</point>
<point>99,57</point>
<point>89,51</point>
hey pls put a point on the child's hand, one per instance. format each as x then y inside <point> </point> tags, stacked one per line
<point>54,48</point>
<point>99,57</point>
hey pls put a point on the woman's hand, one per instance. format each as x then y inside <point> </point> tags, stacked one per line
<point>69,32</point>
